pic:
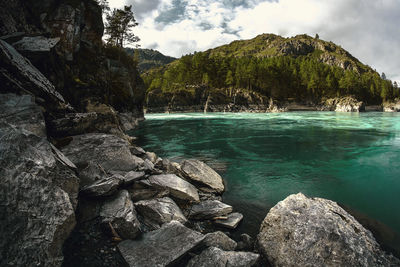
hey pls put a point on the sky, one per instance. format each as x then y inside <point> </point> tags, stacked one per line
<point>368,29</point>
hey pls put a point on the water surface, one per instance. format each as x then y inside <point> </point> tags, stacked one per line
<point>350,158</point>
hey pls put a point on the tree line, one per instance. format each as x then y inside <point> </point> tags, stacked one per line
<point>284,77</point>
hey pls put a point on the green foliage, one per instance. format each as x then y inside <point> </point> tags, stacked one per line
<point>119,25</point>
<point>283,77</point>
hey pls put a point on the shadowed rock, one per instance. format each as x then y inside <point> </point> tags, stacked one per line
<point>231,222</point>
<point>301,231</point>
<point>219,240</point>
<point>120,213</point>
<point>201,173</point>
<point>209,209</point>
<point>156,212</point>
<point>162,247</point>
<point>218,258</point>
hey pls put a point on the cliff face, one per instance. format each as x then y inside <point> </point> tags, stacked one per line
<point>64,41</point>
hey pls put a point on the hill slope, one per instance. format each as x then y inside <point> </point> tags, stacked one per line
<point>149,58</point>
<point>301,68</point>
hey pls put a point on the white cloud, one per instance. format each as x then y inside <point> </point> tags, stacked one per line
<point>368,29</point>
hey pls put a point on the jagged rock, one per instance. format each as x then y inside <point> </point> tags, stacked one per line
<point>156,212</point>
<point>18,75</point>
<point>178,187</point>
<point>393,106</point>
<point>302,231</point>
<point>151,156</point>
<point>129,120</point>
<point>209,209</point>
<point>104,152</point>
<point>137,151</point>
<point>120,213</point>
<point>36,44</point>
<point>218,258</point>
<point>219,240</point>
<point>231,222</point>
<point>343,104</point>
<point>83,123</point>
<point>246,243</point>
<point>37,193</point>
<point>200,172</point>
<point>143,190</point>
<point>24,112</point>
<point>162,247</point>
<point>104,187</point>
<point>147,166</point>
<point>132,176</point>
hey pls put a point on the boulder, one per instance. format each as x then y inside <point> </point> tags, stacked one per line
<point>18,75</point>
<point>209,209</point>
<point>38,192</point>
<point>105,153</point>
<point>162,247</point>
<point>231,222</point>
<point>129,120</point>
<point>151,156</point>
<point>120,213</point>
<point>177,187</point>
<point>219,240</point>
<point>137,151</point>
<point>22,111</point>
<point>302,231</point>
<point>104,187</point>
<point>218,258</point>
<point>393,106</point>
<point>343,104</point>
<point>142,190</point>
<point>246,243</point>
<point>158,211</point>
<point>201,173</point>
<point>132,176</point>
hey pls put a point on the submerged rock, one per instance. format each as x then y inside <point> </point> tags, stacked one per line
<point>219,240</point>
<point>231,222</point>
<point>209,209</point>
<point>218,258</point>
<point>162,247</point>
<point>120,213</point>
<point>200,172</point>
<point>156,212</point>
<point>178,187</point>
<point>38,192</point>
<point>301,231</point>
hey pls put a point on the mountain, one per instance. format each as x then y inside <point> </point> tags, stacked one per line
<point>270,68</point>
<point>149,58</point>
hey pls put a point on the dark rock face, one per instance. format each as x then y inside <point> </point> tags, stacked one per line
<point>209,209</point>
<point>120,213</point>
<point>158,211</point>
<point>103,153</point>
<point>219,258</point>
<point>38,190</point>
<point>162,247</point>
<point>200,172</point>
<point>18,75</point>
<point>219,240</point>
<point>301,231</point>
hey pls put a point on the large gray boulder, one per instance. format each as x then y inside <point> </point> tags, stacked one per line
<point>201,173</point>
<point>18,75</point>
<point>302,231</point>
<point>38,193</point>
<point>104,153</point>
<point>218,258</point>
<point>178,187</point>
<point>162,247</point>
<point>120,213</point>
<point>158,211</point>
<point>219,240</point>
<point>209,209</point>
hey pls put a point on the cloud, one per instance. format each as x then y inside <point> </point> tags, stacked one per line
<point>368,29</point>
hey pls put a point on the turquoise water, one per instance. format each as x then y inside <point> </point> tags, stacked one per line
<point>350,158</point>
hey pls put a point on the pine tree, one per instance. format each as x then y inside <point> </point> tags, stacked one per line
<point>120,23</point>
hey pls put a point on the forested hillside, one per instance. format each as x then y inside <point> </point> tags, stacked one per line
<point>300,68</point>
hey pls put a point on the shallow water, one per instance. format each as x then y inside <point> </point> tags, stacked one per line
<point>350,158</point>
